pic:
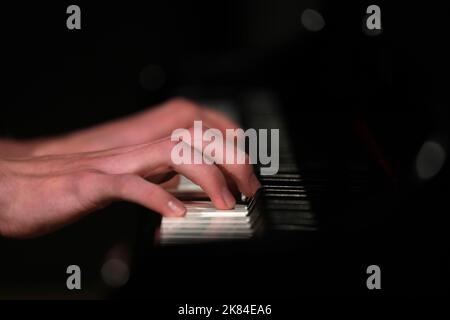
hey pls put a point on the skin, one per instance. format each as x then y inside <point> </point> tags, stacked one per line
<point>51,182</point>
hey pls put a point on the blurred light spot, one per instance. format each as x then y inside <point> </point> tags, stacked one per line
<point>312,20</point>
<point>152,77</point>
<point>115,272</point>
<point>430,159</point>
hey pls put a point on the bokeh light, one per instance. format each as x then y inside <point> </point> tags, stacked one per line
<point>312,20</point>
<point>430,159</point>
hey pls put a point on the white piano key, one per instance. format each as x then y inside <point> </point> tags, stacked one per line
<point>201,226</point>
<point>207,209</point>
<point>204,222</point>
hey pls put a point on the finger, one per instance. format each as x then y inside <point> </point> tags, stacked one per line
<point>136,189</point>
<point>232,160</point>
<point>155,159</point>
<point>232,186</point>
<point>209,177</point>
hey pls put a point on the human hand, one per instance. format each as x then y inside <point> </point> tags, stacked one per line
<point>41,194</point>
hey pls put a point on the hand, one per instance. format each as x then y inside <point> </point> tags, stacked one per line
<point>41,194</point>
<point>146,126</point>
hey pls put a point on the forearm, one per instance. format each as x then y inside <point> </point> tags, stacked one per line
<point>121,132</point>
<point>104,136</point>
<point>17,148</point>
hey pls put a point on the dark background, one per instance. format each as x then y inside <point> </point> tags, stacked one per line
<point>352,102</point>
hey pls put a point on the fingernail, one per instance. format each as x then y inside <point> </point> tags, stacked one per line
<point>228,198</point>
<point>177,208</point>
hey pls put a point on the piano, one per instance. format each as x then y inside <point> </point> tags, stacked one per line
<point>354,112</point>
<point>317,227</point>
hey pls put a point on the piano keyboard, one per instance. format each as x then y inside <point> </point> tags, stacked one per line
<point>203,222</point>
<point>286,208</point>
<point>287,205</point>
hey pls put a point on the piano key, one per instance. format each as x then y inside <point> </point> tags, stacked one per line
<point>207,209</point>
<point>291,227</point>
<point>288,205</point>
<point>287,195</point>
